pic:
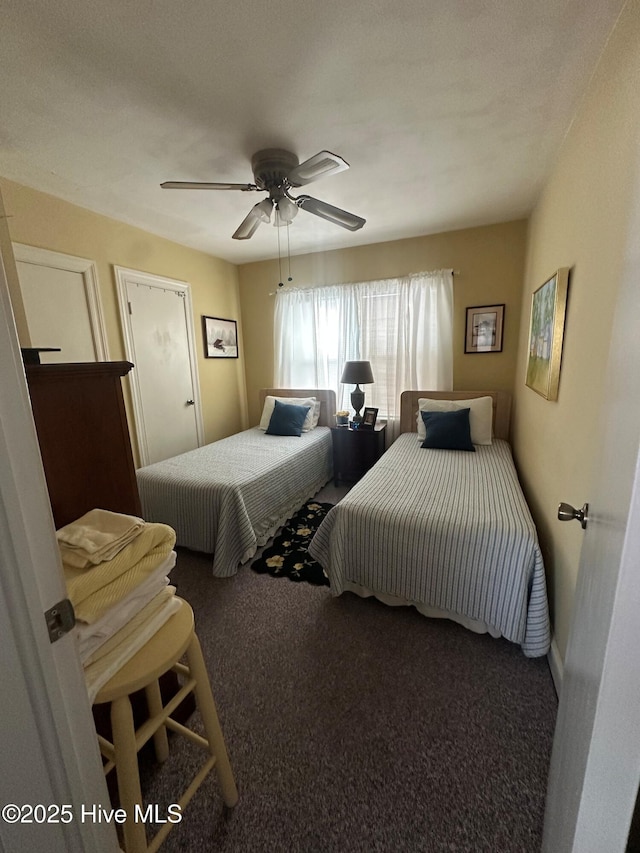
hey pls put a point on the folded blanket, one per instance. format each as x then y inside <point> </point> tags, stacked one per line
<point>97,536</point>
<point>93,591</point>
<point>98,673</point>
<point>91,637</point>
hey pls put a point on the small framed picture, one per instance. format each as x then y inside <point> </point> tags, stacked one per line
<point>484,328</point>
<point>369,419</point>
<point>220,337</point>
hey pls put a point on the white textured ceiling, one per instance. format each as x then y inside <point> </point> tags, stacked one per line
<point>450,112</point>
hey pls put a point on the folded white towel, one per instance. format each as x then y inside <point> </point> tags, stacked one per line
<point>91,636</point>
<point>132,626</point>
<point>97,536</point>
<point>147,623</point>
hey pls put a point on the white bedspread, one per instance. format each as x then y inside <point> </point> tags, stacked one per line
<point>229,497</point>
<point>446,529</point>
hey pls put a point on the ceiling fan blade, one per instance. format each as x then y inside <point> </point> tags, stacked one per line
<point>197,185</point>
<point>247,227</point>
<point>321,164</point>
<point>260,212</point>
<point>331,213</point>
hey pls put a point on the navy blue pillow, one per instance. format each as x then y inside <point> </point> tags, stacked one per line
<point>448,430</point>
<point>286,419</point>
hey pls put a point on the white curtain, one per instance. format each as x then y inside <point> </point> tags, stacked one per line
<point>403,326</point>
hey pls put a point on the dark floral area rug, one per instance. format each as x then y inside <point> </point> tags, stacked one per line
<point>288,557</point>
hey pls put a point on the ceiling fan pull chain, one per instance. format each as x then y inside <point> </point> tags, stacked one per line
<point>280,281</point>
<point>289,252</point>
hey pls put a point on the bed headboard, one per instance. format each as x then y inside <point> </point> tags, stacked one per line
<point>327,400</point>
<point>501,407</point>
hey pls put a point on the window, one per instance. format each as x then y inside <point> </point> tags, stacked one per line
<point>403,326</point>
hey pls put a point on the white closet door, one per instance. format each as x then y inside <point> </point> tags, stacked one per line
<point>159,334</point>
<point>62,304</point>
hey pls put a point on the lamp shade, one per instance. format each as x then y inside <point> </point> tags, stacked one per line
<point>357,373</point>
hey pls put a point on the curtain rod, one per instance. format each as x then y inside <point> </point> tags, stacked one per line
<point>274,292</point>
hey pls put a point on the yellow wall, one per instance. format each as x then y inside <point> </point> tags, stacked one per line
<point>581,221</point>
<point>50,223</point>
<point>491,265</point>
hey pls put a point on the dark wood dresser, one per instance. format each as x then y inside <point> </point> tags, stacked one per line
<point>84,439</point>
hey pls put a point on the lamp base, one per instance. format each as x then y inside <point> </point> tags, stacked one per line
<point>357,401</point>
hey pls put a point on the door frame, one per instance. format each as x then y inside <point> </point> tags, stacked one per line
<point>126,276</point>
<point>25,254</point>
<point>48,734</point>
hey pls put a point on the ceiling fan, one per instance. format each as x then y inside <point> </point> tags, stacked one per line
<point>277,172</point>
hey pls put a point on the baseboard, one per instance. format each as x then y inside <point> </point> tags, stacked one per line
<point>555,665</point>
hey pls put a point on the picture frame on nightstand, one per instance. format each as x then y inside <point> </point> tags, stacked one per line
<point>369,418</point>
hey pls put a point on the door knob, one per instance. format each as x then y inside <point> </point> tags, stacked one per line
<point>567,513</point>
<point>190,403</point>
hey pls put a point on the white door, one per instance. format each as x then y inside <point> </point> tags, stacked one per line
<point>595,765</point>
<point>62,304</point>
<point>156,316</point>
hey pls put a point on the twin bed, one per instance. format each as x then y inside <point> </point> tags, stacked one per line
<point>229,497</point>
<point>448,532</point>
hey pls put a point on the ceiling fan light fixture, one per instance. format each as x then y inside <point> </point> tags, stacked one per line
<point>263,210</point>
<point>286,212</point>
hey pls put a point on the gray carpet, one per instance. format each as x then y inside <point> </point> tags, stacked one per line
<point>352,726</point>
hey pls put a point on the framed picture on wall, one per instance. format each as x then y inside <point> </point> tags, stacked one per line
<point>484,326</point>
<point>220,337</point>
<point>548,309</point>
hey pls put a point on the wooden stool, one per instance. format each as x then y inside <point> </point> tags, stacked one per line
<point>162,652</point>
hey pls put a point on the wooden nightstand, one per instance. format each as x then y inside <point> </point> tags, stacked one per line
<point>355,451</point>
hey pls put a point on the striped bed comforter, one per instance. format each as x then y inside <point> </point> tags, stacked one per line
<point>229,497</point>
<point>447,529</point>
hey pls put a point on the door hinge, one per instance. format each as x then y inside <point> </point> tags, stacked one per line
<point>130,311</point>
<point>60,619</point>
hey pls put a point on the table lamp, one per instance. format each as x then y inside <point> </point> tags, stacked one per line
<point>357,373</point>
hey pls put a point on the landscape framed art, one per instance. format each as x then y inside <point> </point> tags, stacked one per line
<point>548,309</point>
<point>220,337</point>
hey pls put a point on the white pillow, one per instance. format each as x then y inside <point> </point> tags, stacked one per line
<point>480,416</point>
<point>314,414</point>
<point>310,422</point>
